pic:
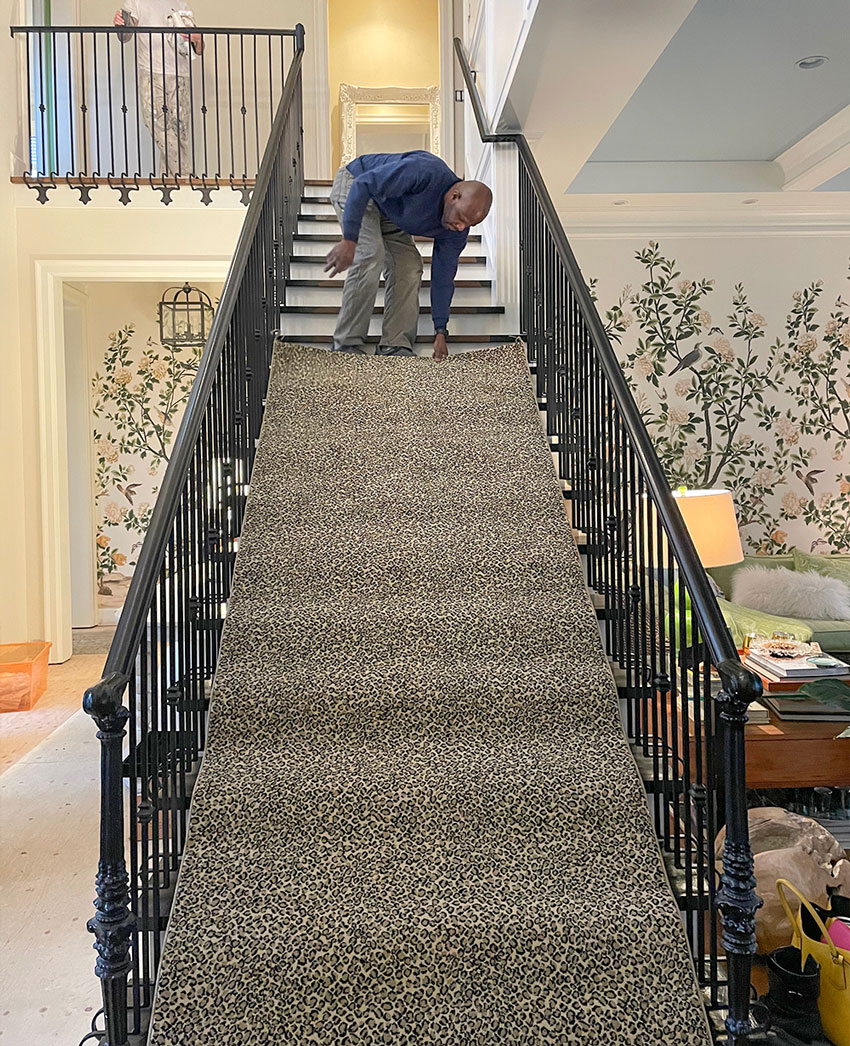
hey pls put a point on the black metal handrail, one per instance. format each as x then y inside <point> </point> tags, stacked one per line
<point>165,649</point>
<point>121,106</point>
<point>663,624</point>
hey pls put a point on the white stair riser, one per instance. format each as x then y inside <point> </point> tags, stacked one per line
<point>325,228</point>
<point>321,247</point>
<point>316,190</point>
<point>457,347</point>
<point>335,229</point>
<point>309,207</point>
<point>333,295</point>
<point>324,323</point>
<point>315,271</point>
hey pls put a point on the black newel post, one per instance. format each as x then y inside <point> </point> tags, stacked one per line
<point>737,898</point>
<point>113,922</point>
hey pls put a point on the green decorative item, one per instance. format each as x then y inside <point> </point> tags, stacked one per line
<point>825,691</point>
<point>827,566</point>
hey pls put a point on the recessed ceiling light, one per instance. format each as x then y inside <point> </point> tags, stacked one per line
<point>620,203</point>
<point>814,61</point>
<point>750,201</point>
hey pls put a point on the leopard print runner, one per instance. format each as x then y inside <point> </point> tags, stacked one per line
<point>417,822</point>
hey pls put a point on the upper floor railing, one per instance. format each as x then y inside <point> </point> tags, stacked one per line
<point>684,689</point>
<point>132,105</point>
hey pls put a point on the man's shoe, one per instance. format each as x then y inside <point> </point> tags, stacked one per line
<point>393,350</point>
<point>353,350</point>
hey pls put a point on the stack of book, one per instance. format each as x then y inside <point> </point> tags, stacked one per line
<point>756,713</point>
<point>790,673</point>
<point>786,675</point>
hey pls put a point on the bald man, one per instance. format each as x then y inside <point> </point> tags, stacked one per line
<point>383,200</point>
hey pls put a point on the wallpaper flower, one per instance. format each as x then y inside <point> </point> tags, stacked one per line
<point>768,420</point>
<point>138,399</point>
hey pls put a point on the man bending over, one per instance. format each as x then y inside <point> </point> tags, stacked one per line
<point>383,200</point>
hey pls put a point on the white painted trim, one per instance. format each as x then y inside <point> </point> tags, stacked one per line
<point>475,39</point>
<point>49,275</point>
<point>822,154</point>
<point>85,468</point>
<point>705,214</point>
<point>528,17</point>
<point>447,80</point>
<point>319,44</point>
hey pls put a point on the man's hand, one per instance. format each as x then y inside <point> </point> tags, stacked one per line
<point>118,19</point>
<point>441,349</point>
<point>340,257</point>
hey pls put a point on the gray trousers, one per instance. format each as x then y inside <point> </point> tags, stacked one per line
<point>165,101</point>
<point>381,247</point>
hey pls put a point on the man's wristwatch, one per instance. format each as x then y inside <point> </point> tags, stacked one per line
<point>442,330</point>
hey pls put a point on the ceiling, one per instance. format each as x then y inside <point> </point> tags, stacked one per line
<point>725,99</point>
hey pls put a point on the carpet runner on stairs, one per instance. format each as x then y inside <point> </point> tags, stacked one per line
<point>417,821</point>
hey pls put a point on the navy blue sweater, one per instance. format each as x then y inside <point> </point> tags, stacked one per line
<point>408,189</point>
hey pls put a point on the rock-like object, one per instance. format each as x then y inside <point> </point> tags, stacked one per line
<point>789,846</point>
<point>772,828</point>
<point>792,863</point>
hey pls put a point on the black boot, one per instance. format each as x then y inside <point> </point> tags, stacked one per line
<point>792,998</point>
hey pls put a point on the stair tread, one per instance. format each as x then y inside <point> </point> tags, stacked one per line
<point>341,283</point>
<point>326,310</point>
<point>373,339</point>
<point>322,237</point>
<point>319,259</point>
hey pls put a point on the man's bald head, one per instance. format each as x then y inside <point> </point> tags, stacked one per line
<point>465,204</point>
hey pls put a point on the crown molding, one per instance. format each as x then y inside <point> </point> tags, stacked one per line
<point>709,214</point>
<point>819,156</point>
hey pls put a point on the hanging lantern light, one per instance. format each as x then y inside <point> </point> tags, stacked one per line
<point>185,317</point>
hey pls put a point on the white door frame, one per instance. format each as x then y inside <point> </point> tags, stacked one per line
<point>447,81</point>
<point>50,275</point>
<point>81,466</point>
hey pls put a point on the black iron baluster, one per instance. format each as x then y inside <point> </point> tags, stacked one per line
<point>204,107</point>
<point>243,109</point>
<point>126,169</point>
<point>31,117</point>
<point>230,112</point>
<point>145,815</point>
<point>113,922</point>
<point>56,165</point>
<point>256,108</point>
<point>42,88</point>
<point>72,159</point>
<point>107,37</point>
<point>217,111</point>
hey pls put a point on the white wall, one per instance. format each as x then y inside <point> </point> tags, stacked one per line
<point>16,458</point>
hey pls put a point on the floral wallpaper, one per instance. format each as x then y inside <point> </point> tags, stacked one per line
<point>138,398</point>
<point>758,405</point>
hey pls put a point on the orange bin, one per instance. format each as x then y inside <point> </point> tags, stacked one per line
<point>23,675</point>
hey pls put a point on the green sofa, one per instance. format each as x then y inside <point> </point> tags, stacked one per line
<point>833,636</point>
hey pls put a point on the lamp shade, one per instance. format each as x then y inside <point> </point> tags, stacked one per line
<point>709,516</point>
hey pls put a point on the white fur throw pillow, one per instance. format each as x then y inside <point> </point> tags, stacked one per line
<point>789,593</point>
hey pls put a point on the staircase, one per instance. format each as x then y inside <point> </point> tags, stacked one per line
<point>418,822</point>
<point>313,300</point>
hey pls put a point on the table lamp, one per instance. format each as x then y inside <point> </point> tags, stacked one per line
<point>709,516</point>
